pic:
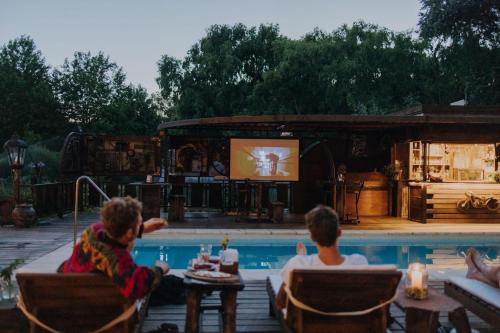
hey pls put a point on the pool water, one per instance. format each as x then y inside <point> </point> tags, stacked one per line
<point>274,253</point>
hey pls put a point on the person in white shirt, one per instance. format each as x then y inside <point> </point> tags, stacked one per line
<point>324,229</point>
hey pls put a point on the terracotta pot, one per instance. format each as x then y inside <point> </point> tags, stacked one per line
<point>24,215</point>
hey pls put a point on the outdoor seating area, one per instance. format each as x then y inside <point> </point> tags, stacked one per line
<point>77,303</point>
<point>255,300</point>
<point>479,297</point>
<point>250,166</point>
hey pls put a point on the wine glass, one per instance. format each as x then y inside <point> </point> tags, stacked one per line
<point>205,251</point>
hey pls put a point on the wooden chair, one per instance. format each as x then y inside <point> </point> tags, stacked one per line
<point>476,296</point>
<point>76,302</point>
<point>340,291</point>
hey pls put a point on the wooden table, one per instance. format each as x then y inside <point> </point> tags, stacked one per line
<point>228,294</point>
<point>422,316</point>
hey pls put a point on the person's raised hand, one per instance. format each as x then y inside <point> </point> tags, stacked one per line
<point>154,224</point>
<point>163,265</point>
<point>301,249</point>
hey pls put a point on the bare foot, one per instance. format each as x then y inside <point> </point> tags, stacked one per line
<point>471,267</point>
<point>480,277</point>
<point>477,260</point>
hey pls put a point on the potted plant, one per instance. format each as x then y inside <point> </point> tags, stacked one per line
<point>224,243</point>
<point>6,279</point>
<point>496,177</point>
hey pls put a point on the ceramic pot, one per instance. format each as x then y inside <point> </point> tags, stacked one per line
<point>24,215</point>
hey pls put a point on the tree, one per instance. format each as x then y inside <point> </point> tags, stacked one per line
<point>361,69</point>
<point>94,95</point>
<point>86,85</point>
<point>131,111</point>
<point>219,72</point>
<point>355,69</point>
<point>465,36</point>
<point>461,21</point>
<point>27,103</point>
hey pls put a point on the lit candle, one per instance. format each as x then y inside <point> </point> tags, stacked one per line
<point>416,279</point>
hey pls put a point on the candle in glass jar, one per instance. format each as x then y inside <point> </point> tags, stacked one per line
<point>416,279</point>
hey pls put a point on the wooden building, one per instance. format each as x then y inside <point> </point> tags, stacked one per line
<point>429,163</point>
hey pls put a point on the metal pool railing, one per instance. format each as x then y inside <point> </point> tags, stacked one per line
<point>77,192</point>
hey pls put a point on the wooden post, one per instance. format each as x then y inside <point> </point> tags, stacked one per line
<point>228,299</point>
<point>424,204</point>
<point>176,209</point>
<point>193,302</point>
<point>421,321</point>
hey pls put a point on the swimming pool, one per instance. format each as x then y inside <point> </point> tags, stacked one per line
<point>439,251</point>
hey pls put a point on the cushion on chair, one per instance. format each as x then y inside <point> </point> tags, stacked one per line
<point>486,292</point>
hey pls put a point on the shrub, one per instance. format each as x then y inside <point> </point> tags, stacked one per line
<point>35,154</point>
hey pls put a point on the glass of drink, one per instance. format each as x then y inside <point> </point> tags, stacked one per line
<point>205,251</point>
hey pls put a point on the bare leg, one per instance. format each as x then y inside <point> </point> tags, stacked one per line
<point>472,270</point>
<point>492,273</point>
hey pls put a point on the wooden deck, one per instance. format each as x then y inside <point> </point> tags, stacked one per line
<point>253,316</point>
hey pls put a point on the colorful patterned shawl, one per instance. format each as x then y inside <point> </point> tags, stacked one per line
<point>98,253</point>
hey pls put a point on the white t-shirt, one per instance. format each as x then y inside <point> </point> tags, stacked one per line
<point>313,261</point>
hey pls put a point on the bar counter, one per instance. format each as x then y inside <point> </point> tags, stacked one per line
<point>447,202</point>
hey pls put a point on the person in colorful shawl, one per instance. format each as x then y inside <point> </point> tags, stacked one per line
<point>105,247</point>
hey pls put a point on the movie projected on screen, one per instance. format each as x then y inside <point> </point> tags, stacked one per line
<point>265,159</point>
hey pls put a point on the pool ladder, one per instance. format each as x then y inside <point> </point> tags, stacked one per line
<point>77,192</point>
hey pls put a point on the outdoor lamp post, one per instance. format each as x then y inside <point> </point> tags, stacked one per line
<point>16,150</point>
<point>23,215</point>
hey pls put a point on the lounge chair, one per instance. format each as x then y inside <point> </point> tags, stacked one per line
<point>337,299</point>
<point>476,296</point>
<point>77,302</point>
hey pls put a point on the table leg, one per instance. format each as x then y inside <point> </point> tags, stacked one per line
<point>421,321</point>
<point>193,301</point>
<point>228,299</point>
<point>459,320</point>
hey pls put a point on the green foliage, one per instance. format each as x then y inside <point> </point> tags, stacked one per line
<point>50,159</point>
<point>6,272</point>
<point>465,38</point>
<point>131,111</point>
<point>93,94</point>
<point>35,153</point>
<point>86,85</point>
<point>220,71</point>
<point>5,188</point>
<point>361,69</point>
<point>461,20</point>
<point>27,103</point>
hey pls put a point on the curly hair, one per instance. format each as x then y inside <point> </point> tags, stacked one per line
<point>120,214</point>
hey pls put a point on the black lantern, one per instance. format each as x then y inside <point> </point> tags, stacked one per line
<point>16,150</point>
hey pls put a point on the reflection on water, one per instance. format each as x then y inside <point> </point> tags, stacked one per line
<point>267,256</point>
